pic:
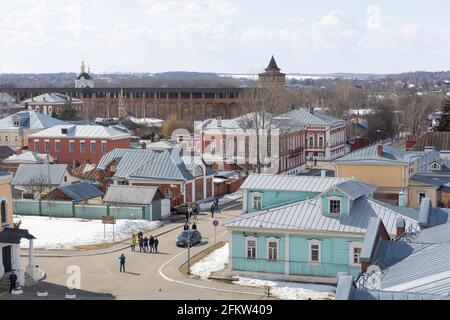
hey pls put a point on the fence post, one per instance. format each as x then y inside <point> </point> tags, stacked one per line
<point>73,209</point>
<point>107,210</point>
<point>40,207</point>
<point>143,212</point>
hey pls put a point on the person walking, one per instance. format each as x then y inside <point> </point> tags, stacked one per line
<point>213,208</point>
<point>122,262</point>
<point>156,244</point>
<point>133,242</point>
<point>140,235</point>
<point>145,244</point>
<point>187,215</point>
<point>151,243</point>
<point>186,227</point>
<point>12,281</point>
<point>194,226</point>
<point>217,205</point>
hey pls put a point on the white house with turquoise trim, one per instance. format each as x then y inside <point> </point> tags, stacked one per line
<point>310,235</point>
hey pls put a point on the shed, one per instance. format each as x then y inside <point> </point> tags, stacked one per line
<point>82,191</point>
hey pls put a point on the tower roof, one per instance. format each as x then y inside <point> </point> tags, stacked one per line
<point>272,65</point>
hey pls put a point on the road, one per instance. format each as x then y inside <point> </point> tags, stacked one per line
<point>148,276</point>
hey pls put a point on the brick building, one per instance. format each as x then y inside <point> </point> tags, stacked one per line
<point>75,145</point>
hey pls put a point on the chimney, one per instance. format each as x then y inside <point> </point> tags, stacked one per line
<point>444,155</point>
<point>401,226</point>
<point>219,121</point>
<point>311,109</point>
<point>401,199</point>
<point>429,148</point>
<point>143,145</point>
<point>323,173</point>
<point>380,150</point>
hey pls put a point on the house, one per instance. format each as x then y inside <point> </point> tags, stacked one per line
<point>5,152</point>
<point>318,238</point>
<point>325,135</point>
<point>38,179</point>
<point>10,238</point>
<point>75,145</point>
<point>414,266</point>
<point>152,201</point>
<point>387,168</point>
<point>82,192</point>
<point>50,103</point>
<point>15,129</point>
<point>179,178</point>
<point>232,144</point>
<point>13,162</point>
<point>8,105</point>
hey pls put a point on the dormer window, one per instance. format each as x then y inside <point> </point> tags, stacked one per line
<point>257,201</point>
<point>16,122</point>
<point>435,166</point>
<point>334,205</point>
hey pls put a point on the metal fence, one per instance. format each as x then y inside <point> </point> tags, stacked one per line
<point>67,209</point>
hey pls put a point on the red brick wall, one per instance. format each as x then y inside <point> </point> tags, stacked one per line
<point>70,158</point>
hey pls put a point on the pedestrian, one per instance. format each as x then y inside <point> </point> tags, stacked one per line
<point>315,162</point>
<point>145,244</point>
<point>12,282</point>
<point>122,262</point>
<point>186,227</point>
<point>190,212</point>
<point>151,243</point>
<point>213,207</point>
<point>187,215</point>
<point>194,226</point>
<point>140,235</point>
<point>156,244</point>
<point>141,244</point>
<point>133,242</point>
<point>217,205</point>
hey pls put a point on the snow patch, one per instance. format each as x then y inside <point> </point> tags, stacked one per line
<point>213,262</point>
<point>224,200</point>
<point>67,233</point>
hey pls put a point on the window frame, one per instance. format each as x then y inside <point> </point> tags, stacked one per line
<point>254,195</point>
<point>36,143</point>
<point>93,146</point>
<point>352,246</point>
<point>71,146</point>
<point>336,199</point>
<point>268,248</point>
<point>3,212</point>
<point>419,198</point>
<point>311,243</point>
<point>57,146</point>
<point>82,143</point>
<point>247,239</point>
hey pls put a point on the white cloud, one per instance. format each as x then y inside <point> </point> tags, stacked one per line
<point>189,8</point>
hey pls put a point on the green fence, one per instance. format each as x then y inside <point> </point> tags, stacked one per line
<point>67,209</point>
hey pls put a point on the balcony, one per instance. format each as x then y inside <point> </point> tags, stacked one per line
<point>315,148</point>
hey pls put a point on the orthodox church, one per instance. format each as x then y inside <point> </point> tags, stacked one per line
<point>84,79</point>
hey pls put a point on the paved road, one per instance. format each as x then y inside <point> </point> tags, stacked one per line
<point>149,276</point>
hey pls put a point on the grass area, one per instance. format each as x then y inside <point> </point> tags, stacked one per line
<point>184,267</point>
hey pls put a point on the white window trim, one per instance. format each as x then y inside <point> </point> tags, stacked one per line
<point>435,166</point>
<point>277,241</point>
<point>259,194</point>
<point>247,239</point>
<point>329,204</point>
<point>354,244</point>
<point>310,244</point>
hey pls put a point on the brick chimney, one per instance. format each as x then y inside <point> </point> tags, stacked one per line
<point>401,226</point>
<point>380,150</point>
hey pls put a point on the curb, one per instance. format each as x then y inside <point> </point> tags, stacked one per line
<point>55,255</point>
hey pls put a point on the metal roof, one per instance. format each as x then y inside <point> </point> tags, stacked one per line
<point>354,189</point>
<point>6,151</point>
<point>52,98</point>
<point>437,234</point>
<point>390,155</point>
<point>29,157</point>
<point>37,174</point>
<point>83,131</point>
<point>360,294</point>
<point>81,191</point>
<point>30,119</point>
<point>308,216</point>
<point>130,194</point>
<point>290,183</point>
<point>306,117</point>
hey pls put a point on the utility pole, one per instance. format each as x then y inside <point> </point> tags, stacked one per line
<point>189,242</point>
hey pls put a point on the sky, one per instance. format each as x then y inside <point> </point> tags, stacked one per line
<point>224,36</point>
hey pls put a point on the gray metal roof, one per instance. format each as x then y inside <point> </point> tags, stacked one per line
<point>306,117</point>
<point>308,216</point>
<point>53,98</point>
<point>81,191</point>
<point>354,189</point>
<point>81,131</point>
<point>30,119</point>
<point>37,174</point>
<point>370,240</point>
<point>130,194</point>
<point>437,234</point>
<point>390,155</point>
<point>290,183</point>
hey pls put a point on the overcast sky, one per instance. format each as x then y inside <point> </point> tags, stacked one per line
<point>230,36</point>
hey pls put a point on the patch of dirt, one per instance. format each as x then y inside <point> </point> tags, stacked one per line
<point>97,246</point>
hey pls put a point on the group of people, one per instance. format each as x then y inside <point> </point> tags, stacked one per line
<point>191,212</point>
<point>186,226</point>
<point>215,207</point>
<point>145,244</point>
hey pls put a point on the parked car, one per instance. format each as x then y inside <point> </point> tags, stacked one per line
<point>191,237</point>
<point>182,208</point>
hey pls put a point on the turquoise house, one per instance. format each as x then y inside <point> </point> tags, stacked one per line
<point>307,235</point>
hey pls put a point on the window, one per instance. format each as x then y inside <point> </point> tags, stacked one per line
<point>47,146</point>
<point>320,141</point>
<point>3,212</point>
<point>257,201</point>
<point>251,248</point>
<point>422,195</point>
<point>168,194</point>
<point>113,169</point>
<point>16,138</point>
<point>36,146</point>
<point>335,206</point>
<point>57,146</point>
<point>16,123</point>
<point>311,142</point>
<point>435,166</point>
<point>103,146</point>
<point>93,146</point>
<point>315,251</point>
<point>213,146</point>
<point>82,146</point>
<point>272,249</point>
<point>355,253</point>
<point>71,146</point>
